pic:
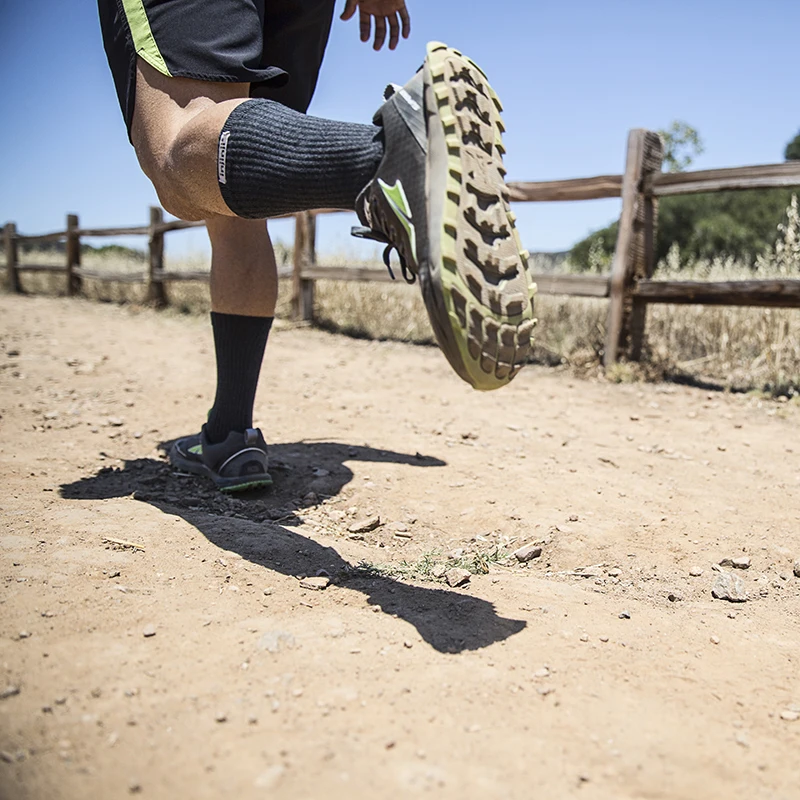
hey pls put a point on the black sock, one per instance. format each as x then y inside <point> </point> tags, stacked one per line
<point>239,343</point>
<point>273,160</point>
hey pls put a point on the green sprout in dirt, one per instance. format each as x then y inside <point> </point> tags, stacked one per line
<point>431,566</point>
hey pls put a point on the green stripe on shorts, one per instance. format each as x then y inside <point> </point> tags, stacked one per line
<point>143,41</point>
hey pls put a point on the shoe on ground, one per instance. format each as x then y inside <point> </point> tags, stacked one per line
<point>235,465</point>
<point>439,198</point>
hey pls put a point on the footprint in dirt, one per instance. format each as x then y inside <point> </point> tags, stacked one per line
<point>255,526</point>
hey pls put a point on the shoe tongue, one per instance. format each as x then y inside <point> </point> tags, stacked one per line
<point>409,101</point>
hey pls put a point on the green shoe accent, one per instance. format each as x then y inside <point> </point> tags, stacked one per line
<point>398,202</point>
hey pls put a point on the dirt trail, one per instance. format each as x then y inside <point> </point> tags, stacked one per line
<point>603,668</point>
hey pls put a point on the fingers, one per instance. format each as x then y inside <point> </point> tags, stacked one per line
<point>365,25</point>
<point>350,7</point>
<point>406,20</point>
<point>394,31</point>
<point>380,32</point>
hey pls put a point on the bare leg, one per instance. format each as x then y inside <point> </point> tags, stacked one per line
<point>244,277</point>
<point>175,131</point>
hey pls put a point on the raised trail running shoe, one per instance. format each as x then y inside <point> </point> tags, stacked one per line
<point>439,198</point>
<point>237,464</point>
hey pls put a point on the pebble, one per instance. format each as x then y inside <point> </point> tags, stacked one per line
<point>9,691</point>
<point>527,553</point>
<point>316,584</point>
<point>715,640</point>
<point>729,587</point>
<point>624,615</point>
<point>399,527</point>
<point>696,572</point>
<point>457,577</point>
<point>742,562</point>
<point>365,525</point>
<point>221,717</point>
<point>24,635</point>
<point>584,637</point>
<point>134,787</point>
<point>544,672</point>
<point>603,638</point>
<point>674,598</point>
<point>148,631</point>
<point>116,422</point>
<point>614,573</point>
<point>790,716</point>
<point>796,569</point>
<point>573,517</point>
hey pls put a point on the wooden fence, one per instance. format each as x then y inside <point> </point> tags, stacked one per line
<point>629,286</point>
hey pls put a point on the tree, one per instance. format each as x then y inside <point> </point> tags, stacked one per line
<point>682,143</point>
<point>738,224</point>
<point>792,152</point>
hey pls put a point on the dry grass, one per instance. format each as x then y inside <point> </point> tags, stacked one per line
<point>735,348</point>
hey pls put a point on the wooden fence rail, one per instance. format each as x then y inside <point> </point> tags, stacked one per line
<point>629,287</point>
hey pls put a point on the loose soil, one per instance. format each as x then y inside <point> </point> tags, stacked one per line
<point>157,638</point>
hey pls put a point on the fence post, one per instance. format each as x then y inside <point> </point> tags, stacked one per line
<point>156,293</point>
<point>633,256</point>
<point>73,247</point>
<point>10,242</point>
<point>304,255</point>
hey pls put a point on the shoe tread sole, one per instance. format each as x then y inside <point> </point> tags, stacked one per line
<point>483,277</point>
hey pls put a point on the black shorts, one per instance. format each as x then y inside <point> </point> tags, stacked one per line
<point>274,45</point>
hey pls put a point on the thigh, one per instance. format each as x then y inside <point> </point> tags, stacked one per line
<point>213,42</point>
<point>295,37</point>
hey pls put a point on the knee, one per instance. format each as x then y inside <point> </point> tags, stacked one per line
<point>168,163</point>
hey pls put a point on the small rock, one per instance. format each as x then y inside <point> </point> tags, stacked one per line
<point>408,644</point>
<point>603,638</point>
<point>544,672</point>
<point>24,635</point>
<point>790,716</point>
<point>148,631</point>
<point>457,577</point>
<point>729,587</point>
<point>528,552</point>
<point>365,525</point>
<point>316,584</point>
<point>134,787</point>
<point>9,691</point>
<point>456,553</point>
<point>696,572</point>
<point>116,422</point>
<point>439,571</point>
<point>573,517</point>
<point>742,562</point>
<point>624,615</point>
<point>614,573</point>
<point>221,717</point>
<point>584,637</point>
<point>6,756</point>
<point>399,527</point>
<point>275,641</point>
<point>715,640</point>
<point>796,569</point>
<point>674,598</point>
<point>310,499</point>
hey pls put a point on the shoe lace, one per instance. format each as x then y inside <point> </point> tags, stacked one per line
<point>377,236</point>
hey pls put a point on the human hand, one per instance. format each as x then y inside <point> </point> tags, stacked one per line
<point>391,13</point>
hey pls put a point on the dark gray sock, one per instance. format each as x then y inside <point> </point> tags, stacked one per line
<point>239,343</point>
<point>273,160</point>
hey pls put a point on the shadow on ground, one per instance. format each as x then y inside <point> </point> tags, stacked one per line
<point>261,526</point>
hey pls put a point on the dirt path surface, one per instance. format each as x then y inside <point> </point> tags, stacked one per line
<point>197,664</point>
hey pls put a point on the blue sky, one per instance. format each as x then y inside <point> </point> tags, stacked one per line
<point>574,78</point>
